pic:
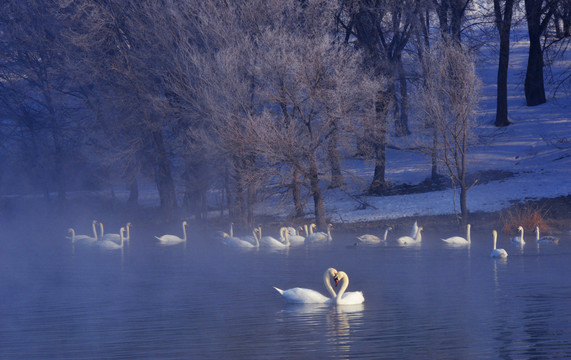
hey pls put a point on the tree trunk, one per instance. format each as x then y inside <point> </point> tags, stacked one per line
<point>319,207</point>
<point>534,86</point>
<point>163,177</point>
<point>401,122</point>
<point>133,192</point>
<point>336,177</point>
<point>296,192</point>
<point>434,158</point>
<point>378,185</point>
<point>504,26</point>
<point>463,204</point>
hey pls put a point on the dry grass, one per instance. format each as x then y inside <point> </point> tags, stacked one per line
<point>527,215</point>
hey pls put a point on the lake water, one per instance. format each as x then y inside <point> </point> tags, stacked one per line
<point>205,301</point>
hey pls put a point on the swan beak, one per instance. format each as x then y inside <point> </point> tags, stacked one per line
<point>336,281</point>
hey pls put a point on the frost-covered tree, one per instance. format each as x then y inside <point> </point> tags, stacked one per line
<point>449,97</point>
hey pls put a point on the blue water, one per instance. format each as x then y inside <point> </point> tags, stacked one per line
<point>205,301</point>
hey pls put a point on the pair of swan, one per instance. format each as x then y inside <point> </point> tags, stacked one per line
<point>409,240</point>
<point>497,253</point>
<point>308,296</point>
<point>169,239</point>
<point>373,239</point>
<point>318,237</point>
<point>110,243</point>
<point>116,237</point>
<point>459,240</point>
<point>84,239</point>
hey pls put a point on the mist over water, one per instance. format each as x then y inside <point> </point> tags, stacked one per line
<point>208,301</point>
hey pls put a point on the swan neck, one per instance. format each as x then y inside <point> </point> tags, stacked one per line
<point>495,240</point>
<point>231,230</point>
<point>72,235</point>
<point>256,237</point>
<point>344,285</point>
<point>386,234</point>
<point>184,231</point>
<point>537,233</point>
<point>327,284</point>
<point>95,230</point>
<point>468,234</point>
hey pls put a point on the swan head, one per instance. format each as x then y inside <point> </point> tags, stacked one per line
<point>184,223</point>
<point>339,276</point>
<point>520,228</point>
<point>128,225</point>
<point>331,272</point>
<point>70,230</point>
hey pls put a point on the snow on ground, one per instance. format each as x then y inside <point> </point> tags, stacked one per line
<point>525,148</point>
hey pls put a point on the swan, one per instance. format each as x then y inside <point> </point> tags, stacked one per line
<point>459,240</point>
<point>84,239</point>
<point>497,253</point>
<point>173,239</point>
<point>270,242</point>
<point>222,234</point>
<point>110,244</point>
<point>115,237</point>
<point>319,237</point>
<point>242,243</point>
<point>545,240</point>
<point>407,240</point>
<point>342,298</point>
<point>518,240</point>
<point>414,230</point>
<point>373,239</point>
<point>308,296</point>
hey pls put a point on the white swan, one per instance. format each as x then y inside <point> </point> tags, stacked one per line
<point>545,240</point>
<point>459,240</point>
<point>273,243</point>
<point>308,296</point>
<point>295,238</point>
<point>110,244</point>
<point>518,240</point>
<point>83,239</point>
<point>222,234</point>
<point>373,239</point>
<point>350,298</point>
<point>497,253</point>
<point>116,237</point>
<point>319,237</point>
<point>242,243</point>
<point>414,230</point>
<point>173,239</point>
<point>407,240</point>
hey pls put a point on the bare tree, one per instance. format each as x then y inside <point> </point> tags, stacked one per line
<point>503,19</point>
<point>449,97</point>
<point>538,14</point>
<point>313,87</point>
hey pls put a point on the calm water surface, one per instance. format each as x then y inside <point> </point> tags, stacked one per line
<point>205,301</point>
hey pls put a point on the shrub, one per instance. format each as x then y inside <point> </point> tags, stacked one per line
<point>527,215</point>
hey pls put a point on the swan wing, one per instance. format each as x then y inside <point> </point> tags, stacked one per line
<point>296,240</point>
<point>350,298</point>
<point>456,240</point>
<point>268,241</point>
<point>236,242</point>
<point>302,296</point>
<point>169,239</point>
<point>499,253</point>
<point>368,238</point>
